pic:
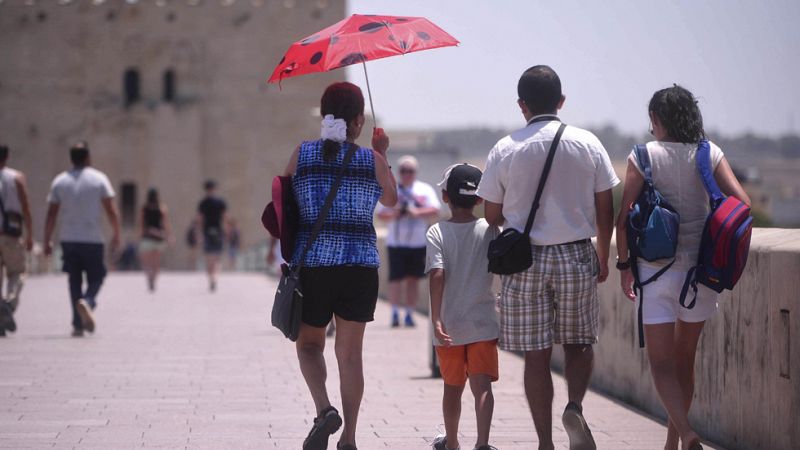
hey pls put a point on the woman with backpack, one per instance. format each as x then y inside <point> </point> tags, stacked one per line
<point>670,330</point>
<point>339,274</point>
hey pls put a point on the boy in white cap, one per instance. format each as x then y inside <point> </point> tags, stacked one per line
<point>463,312</point>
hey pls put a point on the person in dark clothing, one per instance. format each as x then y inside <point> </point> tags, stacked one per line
<point>213,226</point>
<point>155,234</point>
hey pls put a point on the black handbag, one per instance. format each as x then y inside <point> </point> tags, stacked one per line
<point>510,252</point>
<point>287,309</point>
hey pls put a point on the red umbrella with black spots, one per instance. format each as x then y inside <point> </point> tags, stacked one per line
<point>357,39</point>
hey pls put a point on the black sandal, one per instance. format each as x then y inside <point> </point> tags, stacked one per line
<point>325,424</point>
<point>341,446</point>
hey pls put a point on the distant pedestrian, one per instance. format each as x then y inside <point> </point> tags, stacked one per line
<point>234,243</point>
<point>75,199</point>
<point>465,323</point>
<point>340,272</point>
<point>555,300</point>
<point>15,222</point>
<point>671,331</point>
<point>211,220</point>
<point>155,233</point>
<point>417,204</point>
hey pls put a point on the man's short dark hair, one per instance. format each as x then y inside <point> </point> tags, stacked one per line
<point>540,88</point>
<point>79,153</point>
<point>3,153</point>
<point>210,184</point>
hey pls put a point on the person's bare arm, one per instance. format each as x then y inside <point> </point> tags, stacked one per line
<point>49,227</point>
<point>633,186</point>
<point>728,183</point>
<point>604,207</point>
<point>113,218</point>
<point>436,277</point>
<point>494,213</point>
<point>167,225</point>
<point>388,185</point>
<point>27,219</point>
<point>425,212</point>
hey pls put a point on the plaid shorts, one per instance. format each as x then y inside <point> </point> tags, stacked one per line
<point>554,301</point>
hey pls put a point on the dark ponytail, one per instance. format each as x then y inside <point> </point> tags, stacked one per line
<point>344,101</point>
<point>677,110</point>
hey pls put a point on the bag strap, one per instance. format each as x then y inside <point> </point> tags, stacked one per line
<point>323,213</point>
<point>643,158</point>
<point>703,161</point>
<point>545,172</point>
<point>691,281</point>
<point>2,195</point>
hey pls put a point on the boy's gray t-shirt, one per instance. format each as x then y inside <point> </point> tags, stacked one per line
<point>468,304</point>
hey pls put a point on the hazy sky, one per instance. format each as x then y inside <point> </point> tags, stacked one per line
<point>741,58</point>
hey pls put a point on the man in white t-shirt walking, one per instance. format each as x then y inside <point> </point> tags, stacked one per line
<point>555,301</point>
<point>76,197</point>
<point>417,204</point>
<point>15,217</point>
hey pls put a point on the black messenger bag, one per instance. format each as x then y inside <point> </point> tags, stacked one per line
<point>510,252</point>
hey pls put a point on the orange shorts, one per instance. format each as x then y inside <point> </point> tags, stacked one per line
<point>457,362</point>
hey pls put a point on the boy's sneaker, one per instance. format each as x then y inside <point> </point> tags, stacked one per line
<point>77,332</point>
<point>325,424</point>
<point>580,437</point>
<point>85,313</point>
<point>440,443</point>
<point>485,447</point>
<point>410,321</point>
<point>395,320</point>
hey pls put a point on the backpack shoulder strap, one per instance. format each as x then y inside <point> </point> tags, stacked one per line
<point>703,161</point>
<point>643,158</point>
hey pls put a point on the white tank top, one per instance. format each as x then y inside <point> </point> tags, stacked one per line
<point>8,189</point>
<point>675,176</point>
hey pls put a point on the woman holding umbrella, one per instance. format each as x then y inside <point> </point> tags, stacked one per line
<point>340,273</point>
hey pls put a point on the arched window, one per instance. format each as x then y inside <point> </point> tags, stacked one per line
<point>127,203</point>
<point>131,86</point>
<point>169,86</point>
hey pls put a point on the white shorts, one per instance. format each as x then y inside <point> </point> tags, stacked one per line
<point>662,298</point>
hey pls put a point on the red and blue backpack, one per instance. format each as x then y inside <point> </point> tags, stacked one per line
<point>725,242</point>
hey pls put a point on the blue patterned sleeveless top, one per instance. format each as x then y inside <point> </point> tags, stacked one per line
<point>348,235</point>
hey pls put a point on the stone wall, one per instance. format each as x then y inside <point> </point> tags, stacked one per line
<point>62,80</point>
<point>747,392</point>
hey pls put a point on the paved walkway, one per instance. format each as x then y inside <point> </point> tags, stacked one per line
<point>184,368</point>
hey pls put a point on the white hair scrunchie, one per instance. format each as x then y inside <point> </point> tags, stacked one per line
<point>333,129</point>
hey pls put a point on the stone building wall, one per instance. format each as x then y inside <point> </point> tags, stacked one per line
<point>61,80</point>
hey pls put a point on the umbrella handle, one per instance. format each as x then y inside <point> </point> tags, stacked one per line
<point>369,92</point>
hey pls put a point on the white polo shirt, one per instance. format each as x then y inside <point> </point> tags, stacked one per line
<point>581,168</point>
<point>79,194</point>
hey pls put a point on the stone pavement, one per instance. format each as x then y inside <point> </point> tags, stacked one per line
<point>184,368</point>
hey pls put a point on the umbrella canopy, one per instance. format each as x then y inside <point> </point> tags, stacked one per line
<point>357,39</point>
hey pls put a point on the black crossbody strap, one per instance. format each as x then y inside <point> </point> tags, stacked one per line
<point>326,208</point>
<point>2,195</point>
<point>543,179</point>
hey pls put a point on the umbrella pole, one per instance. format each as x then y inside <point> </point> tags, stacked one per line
<point>369,91</point>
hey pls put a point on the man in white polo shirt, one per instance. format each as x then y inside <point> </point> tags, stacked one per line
<point>555,301</point>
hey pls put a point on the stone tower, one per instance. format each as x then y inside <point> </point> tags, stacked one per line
<point>168,93</point>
